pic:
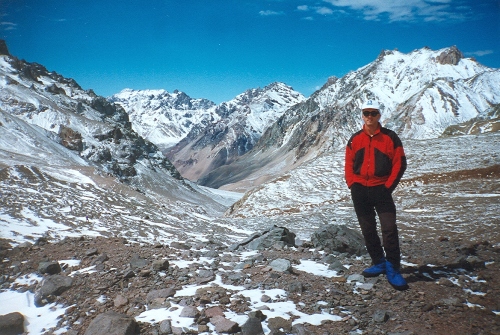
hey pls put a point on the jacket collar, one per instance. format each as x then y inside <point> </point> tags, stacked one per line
<point>376,131</point>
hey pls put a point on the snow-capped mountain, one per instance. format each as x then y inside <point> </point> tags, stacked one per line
<point>49,122</point>
<point>238,126</point>
<point>161,117</point>
<point>421,93</point>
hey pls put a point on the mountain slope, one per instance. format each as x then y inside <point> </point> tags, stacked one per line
<point>237,129</point>
<point>49,123</point>
<point>161,117</point>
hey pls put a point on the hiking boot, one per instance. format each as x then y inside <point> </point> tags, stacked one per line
<point>375,270</point>
<point>395,278</point>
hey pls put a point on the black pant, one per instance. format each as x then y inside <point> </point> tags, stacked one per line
<point>366,201</point>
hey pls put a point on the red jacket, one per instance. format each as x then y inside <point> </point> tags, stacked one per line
<point>375,160</point>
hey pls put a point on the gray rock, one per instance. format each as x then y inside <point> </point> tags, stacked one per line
<point>270,238</point>
<point>160,265</point>
<point>356,278</point>
<point>243,264</point>
<point>190,312</point>
<point>165,327</point>
<point>100,259</point>
<point>452,301</point>
<point>265,298</point>
<point>178,245</point>
<point>252,326</point>
<point>295,287</point>
<point>267,239</point>
<point>278,323</point>
<point>281,265</point>
<point>339,238</point>
<point>50,268</point>
<point>25,245</point>
<point>205,273</point>
<point>223,325</point>
<point>91,252</point>
<point>112,323</point>
<point>329,259</point>
<point>236,276</point>
<point>249,239</point>
<point>12,324</point>
<point>51,286</point>
<point>211,254</point>
<point>120,301</point>
<point>381,316</point>
<point>257,314</point>
<point>299,329</point>
<point>163,293</point>
<point>213,311</point>
<point>366,286</point>
<point>138,263</point>
<point>337,266</point>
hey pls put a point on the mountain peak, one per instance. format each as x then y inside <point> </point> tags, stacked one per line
<point>450,56</point>
<point>3,48</point>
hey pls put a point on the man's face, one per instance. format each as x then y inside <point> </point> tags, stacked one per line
<point>372,117</point>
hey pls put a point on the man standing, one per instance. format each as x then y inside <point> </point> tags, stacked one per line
<point>374,164</point>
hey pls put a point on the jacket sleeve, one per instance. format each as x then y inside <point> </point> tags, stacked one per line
<point>398,164</point>
<point>348,167</point>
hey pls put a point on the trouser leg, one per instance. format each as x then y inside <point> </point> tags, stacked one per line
<point>390,238</point>
<point>386,210</point>
<point>373,245</point>
<point>364,207</point>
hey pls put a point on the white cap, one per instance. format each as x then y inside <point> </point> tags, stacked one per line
<point>370,104</point>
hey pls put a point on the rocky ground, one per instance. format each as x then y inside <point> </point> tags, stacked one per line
<point>454,285</point>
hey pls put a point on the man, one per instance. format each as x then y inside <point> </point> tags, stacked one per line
<point>374,164</point>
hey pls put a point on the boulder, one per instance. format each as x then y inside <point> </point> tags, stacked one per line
<point>281,265</point>
<point>160,265</point>
<point>163,293</point>
<point>12,324</point>
<point>166,327</point>
<point>252,326</point>
<point>339,238</point>
<point>50,268</point>
<point>223,325</point>
<point>278,323</point>
<point>112,323</point>
<point>270,237</point>
<point>51,286</point>
<point>189,312</point>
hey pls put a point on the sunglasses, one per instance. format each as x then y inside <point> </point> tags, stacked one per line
<point>367,113</point>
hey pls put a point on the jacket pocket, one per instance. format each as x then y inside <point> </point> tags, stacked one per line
<point>358,161</point>
<point>383,164</point>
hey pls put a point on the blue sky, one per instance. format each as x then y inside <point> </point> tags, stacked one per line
<point>219,49</point>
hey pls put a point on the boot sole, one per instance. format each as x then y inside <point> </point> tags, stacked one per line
<point>400,288</point>
<point>367,274</point>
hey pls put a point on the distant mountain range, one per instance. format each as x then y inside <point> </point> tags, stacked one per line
<point>424,94</point>
<point>263,132</point>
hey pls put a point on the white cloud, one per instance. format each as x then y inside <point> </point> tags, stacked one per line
<point>270,13</point>
<point>479,53</point>
<point>324,11</point>
<point>408,10</point>
<point>303,8</point>
<point>8,25</point>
